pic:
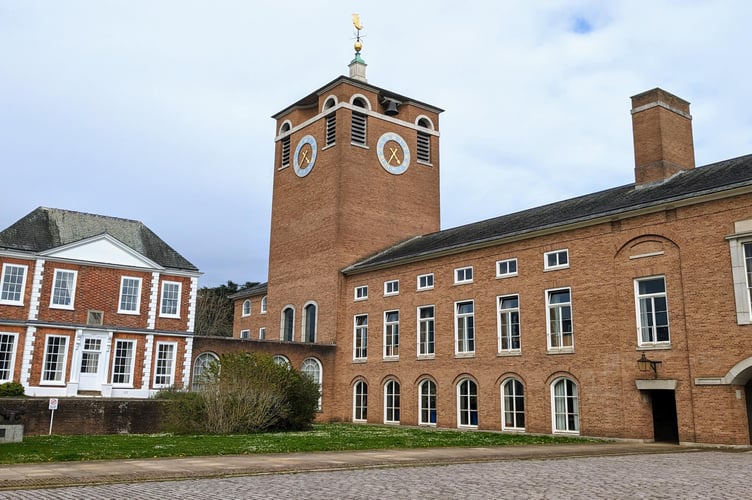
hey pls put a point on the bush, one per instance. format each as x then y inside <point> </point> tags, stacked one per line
<point>11,389</point>
<point>182,412</point>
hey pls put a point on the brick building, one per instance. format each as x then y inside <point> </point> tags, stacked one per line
<point>528,322</point>
<point>93,305</point>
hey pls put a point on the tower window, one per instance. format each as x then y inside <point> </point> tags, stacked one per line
<point>424,142</point>
<point>285,156</point>
<point>359,123</point>
<point>331,129</point>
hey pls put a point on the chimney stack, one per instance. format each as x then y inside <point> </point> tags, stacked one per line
<point>662,132</point>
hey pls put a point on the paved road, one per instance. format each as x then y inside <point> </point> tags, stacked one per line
<point>698,474</point>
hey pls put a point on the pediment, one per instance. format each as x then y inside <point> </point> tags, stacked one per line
<point>101,249</point>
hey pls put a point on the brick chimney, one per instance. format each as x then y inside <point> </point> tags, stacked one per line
<point>662,131</point>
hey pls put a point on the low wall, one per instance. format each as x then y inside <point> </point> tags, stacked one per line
<point>85,415</point>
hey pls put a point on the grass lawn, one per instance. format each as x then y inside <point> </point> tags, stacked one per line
<point>323,437</point>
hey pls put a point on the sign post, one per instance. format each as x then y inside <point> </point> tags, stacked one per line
<point>53,407</point>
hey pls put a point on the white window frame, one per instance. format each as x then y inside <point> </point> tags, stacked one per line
<point>360,292</point>
<point>9,356</point>
<point>316,375</point>
<point>360,349</point>
<point>71,291</point>
<point>430,353</point>
<point>468,340</point>
<point>469,411</point>
<point>262,333</point>
<point>138,296</point>
<point>560,259</point>
<point>5,276</point>
<point>360,401</point>
<point>245,334</point>
<point>507,264</point>
<point>178,300</point>
<point>565,412</point>
<point>305,327</point>
<point>391,287</point>
<point>245,309</point>
<point>391,330</point>
<point>281,360</point>
<point>429,408</point>
<point>425,281</point>
<point>653,329</point>
<point>63,364</point>
<point>262,308</point>
<point>550,307</point>
<point>463,275</point>
<point>509,405</point>
<point>200,365</point>
<point>129,369</point>
<point>505,325</point>
<point>395,408</point>
<point>741,267</point>
<point>169,379</point>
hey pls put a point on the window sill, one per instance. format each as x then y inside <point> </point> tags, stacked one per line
<point>391,359</point>
<point>4,303</point>
<point>61,307</point>
<point>560,350</point>
<point>360,361</point>
<point>502,276</point>
<point>359,145</point>
<point>129,313</point>
<point>654,347</point>
<point>464,354</point>
<point>425,163</point>
<point>424,289</point>
<point>457,283</point>
<point>423,357</point>
<point>556,268</point>
<point>329,146</point>
<point>511,352</point>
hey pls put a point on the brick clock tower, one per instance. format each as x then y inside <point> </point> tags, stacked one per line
<point>356,170</point>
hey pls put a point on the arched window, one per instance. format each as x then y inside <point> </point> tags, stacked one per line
<point>288,320</point>
<point>467,403</point>
<point>285,155</point>
<point>309,323</point>
<point>312,368</point>
<point>246,307</point>
<point>358,131</point>
<point>392,402</point>
<point>281,360</point>
<point>199,369</point>
<point>513,403</point>
<point>565,406</point>
<point>427,402</point>
<point>331,121</point>
<point>424,141</point>
<point>360,401</point>
<point>262,310</point>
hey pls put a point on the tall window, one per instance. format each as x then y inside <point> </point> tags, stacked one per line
<point>122,363</point>
<point>331,128</point>
<point>467,403</point>
<point>200,367</point>
<point>246,311</point>
<point>427,402</point>
<point>391,402</point>
<point>130,295</point>
<point>288,319</point>
<point>566,415</point>
<point>360,401</point>
<point>425,331</point>
<point>513,401</point>
<point>262,309</point>
<point>285,156</point>
<point>55,352</point>
<point>464,331</point>
<point>63,289</point>
<point>309,328</point>
<point>164,371</point>
<point>7,356</point>
<point>262,333</point>
<point>360,340</point>
<point>509,323</point>
<point>170,299</point>
<point>358,123</point>
<point>652,311</point>
<point>13,284</point>
<point>424,147</point>
<point>312,368</point>
<point>559,303</point>
<point>391,334</point>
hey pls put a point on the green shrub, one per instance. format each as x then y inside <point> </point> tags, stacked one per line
<point>181,412</point>
<point>11,389</point>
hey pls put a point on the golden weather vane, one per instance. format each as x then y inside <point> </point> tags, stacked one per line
<point>358,27</point>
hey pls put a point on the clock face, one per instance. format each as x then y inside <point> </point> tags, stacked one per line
<point>394,155</point>
<point>305,156</point>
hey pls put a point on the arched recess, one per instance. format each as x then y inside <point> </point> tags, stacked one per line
<point>200,366</point>
<point>329,102</point>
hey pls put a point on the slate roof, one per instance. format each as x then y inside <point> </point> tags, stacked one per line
<point>257,289</point>
<point>689,184</point>
<point>48,228</point>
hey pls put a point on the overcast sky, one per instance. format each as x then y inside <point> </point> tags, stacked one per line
<point>159,110</point>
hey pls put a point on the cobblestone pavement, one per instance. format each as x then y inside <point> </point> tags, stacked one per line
<point>701,474</point>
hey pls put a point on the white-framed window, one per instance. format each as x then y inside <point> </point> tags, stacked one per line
<point>427,402</point>
<point>467,403</point>
<point>55,358</point>
<point>245,334</point>
<point>171,291</point>
<point>740,247</point>
<point>464,327</point>
<point>509,323</point>
<point>288,322</point>
<point>63,289</point>
<point>565,412</point>
<point>360,337</point>
<point>164,370</point>
<point>262,308</point>
<point>559,324</point>
<point>246,309</point>
<point>652,311</point>
<point>391,334</point>
<point>309,322</point>
<point>391,287</point>
<point>281,360</point>
<point>392,402</point>
<point>506,268</point>
<point>130,295</point>
<point>425,281</point>
<point>13,284</point>
<point>463,275</point>
<point>360,401</point>
<point>426,334</point>
<point>123,362</point>
<point>513,404</point>
<point>361,292</point>
<point>262,333</point>
<point>557,259</point>
<point>312,368</point>
<point>7,356</point>
<point>200,368</point>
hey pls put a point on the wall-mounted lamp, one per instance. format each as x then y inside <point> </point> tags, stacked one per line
<point>646,364</point>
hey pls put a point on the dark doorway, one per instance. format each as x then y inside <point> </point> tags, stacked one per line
<point>665,424</point>
<point>748,398</point>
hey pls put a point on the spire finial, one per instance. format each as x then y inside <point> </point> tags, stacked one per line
<point>357,65</point>
<point>358,27</point>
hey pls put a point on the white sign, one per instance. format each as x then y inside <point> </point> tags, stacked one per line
<point>53,404</point>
